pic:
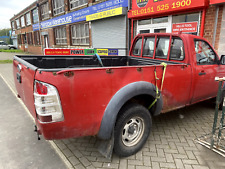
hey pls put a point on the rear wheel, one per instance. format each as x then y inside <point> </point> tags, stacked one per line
<point>132,129</point>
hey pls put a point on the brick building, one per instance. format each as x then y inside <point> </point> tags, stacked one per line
<point>113,23</point>
<point>203,17</point>
<point>78,24</point>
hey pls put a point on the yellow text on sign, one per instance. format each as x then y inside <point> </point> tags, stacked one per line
<point>105,14</point>
<point>102,52</point>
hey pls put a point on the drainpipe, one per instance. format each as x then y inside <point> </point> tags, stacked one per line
<point>128,32</point>
<point>215,26</point>
<point>203,22</point>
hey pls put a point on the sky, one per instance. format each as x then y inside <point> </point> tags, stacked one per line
<point>8,8</point>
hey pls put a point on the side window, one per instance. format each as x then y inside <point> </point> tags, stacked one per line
<point>162,47</point>
<point>204,53</point>
<point>177,49</point>
<point>137,47</point>
<point>149,46</point>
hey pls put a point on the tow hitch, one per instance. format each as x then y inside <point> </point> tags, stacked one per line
<point>37,131</point>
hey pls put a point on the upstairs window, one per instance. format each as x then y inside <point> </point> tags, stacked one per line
<point>13,25</point>
<point>44,11</point>
<point>77,3</point>
<point>22,21</point>
<point>28,21</point>
<point>18,24</point>
<point>58,6</point>
<point>35,16</point>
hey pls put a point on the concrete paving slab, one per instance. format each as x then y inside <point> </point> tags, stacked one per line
<point>19,146</point>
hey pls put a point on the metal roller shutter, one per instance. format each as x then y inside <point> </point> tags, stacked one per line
<point>110,33</point>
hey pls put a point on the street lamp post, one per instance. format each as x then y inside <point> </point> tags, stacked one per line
<point>39,24</point>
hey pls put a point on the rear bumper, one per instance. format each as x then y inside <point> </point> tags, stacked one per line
<point>62,130</point>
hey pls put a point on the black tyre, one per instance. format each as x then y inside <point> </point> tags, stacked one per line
<point>132,129</point>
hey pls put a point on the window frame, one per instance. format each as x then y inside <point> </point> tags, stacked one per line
<point>55,7</point>
<point>18,23</point>
<point>86,34</point>
<point>58,34</point>
<point>28,21</point>
<point>45,11</point>
<point>35,17</point>
<point>37,38</point>
<point>79,5</point>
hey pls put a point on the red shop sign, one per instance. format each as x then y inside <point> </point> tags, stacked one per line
<point>141,8</point>
<point>185,27</point>
<point>217,1</point>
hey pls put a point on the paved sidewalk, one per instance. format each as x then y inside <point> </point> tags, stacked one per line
<point>19,146</point>
<point>170,145</point>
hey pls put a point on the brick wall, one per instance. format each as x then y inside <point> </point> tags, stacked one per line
<point>209,25</point>
<point>221,50</point>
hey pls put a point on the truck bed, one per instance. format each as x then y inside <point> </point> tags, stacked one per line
<point>62,62</point>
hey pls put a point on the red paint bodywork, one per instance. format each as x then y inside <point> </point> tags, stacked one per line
<point>85,95</point>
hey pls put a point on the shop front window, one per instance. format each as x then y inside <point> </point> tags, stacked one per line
<point>36,38</point>
<point>160,20</point>
<point>145,22</point>
<point>60,36</point>
<point>29,38</point>
<point>80,34</point>
<point>194,17</point>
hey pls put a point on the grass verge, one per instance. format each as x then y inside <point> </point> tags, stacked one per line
<point>11,50</point>
<point>6,61</point>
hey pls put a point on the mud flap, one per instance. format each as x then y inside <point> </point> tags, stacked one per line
<point>105,147</point>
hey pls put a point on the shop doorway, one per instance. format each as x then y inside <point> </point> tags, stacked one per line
<point>46,45</point>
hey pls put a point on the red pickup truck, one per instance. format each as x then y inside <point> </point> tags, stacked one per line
<point>115,97</point>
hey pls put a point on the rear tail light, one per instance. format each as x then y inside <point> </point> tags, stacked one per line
<point>47,103</point>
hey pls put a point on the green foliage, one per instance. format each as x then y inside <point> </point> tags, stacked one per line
<point>6,61</point>
<point>11,50</point>
<point>4,32</point>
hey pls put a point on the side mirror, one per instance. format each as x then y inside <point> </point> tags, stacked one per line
<point>222,60</point>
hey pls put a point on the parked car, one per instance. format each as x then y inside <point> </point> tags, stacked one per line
<point>115,97</point>
<point>4,45</point>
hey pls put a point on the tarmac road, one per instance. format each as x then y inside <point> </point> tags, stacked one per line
<point>19,146</point>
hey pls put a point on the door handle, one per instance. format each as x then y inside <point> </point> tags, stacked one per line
<point>201,73</point>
